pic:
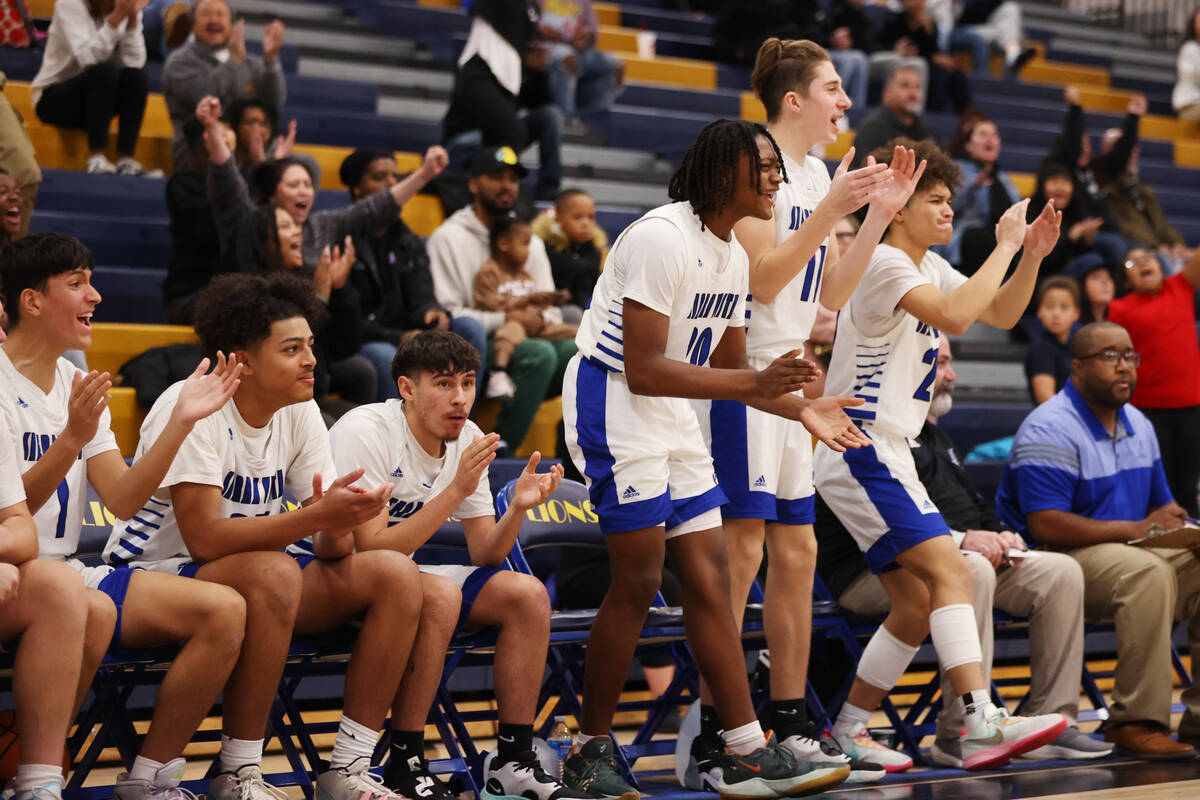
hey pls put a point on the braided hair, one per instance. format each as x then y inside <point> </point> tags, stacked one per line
<point>706,177</point>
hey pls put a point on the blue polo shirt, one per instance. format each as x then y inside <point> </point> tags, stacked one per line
<point>1064,459</point>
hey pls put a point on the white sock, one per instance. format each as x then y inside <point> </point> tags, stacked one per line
<point>581,739</point>
<point>746,739</point>
<point>237,753</point>
<point>353,742</point>
<point>144,769</point>
<point>975,703</point>
<point>36,776</point>
<point>850,719</point>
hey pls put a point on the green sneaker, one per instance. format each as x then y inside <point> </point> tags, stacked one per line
<point>593,769</point>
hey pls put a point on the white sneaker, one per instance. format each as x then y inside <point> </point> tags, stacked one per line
<point>858,744</point>
<point>1000,737</point>
<point>500,384</point>
<point>128,166</point>
<point>524,779</point>
<point>99,165</point>
<point>245,784</point>
<point>353,782</point>
<point>164,786</point>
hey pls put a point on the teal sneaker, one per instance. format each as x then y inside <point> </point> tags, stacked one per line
<point>593,769</point>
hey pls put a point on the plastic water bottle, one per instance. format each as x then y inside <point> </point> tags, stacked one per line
<point>560,741</point>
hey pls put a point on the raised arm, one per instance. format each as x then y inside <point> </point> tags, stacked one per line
<point>1012,298</point>
<point>489,540</point>
<point>773,266</point>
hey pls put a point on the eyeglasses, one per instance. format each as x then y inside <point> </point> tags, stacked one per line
<point>1112,357</point>
<point>1141,258</point>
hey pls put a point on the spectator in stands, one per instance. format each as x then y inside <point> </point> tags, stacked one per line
<point>898,114</point>
<point>1046,587</point>
<point>391,275</point>
<point>215,63</point>
<point>582,77</point>
<point>10,208</point>
<point>1185,97</point>
<point>1085,476</point>
<point>912,32</point>
<point>1090,174</point>
<point>1048,360</point>
<point>982,26</point>
<point>166,24</point>
<point>456,251</point>
<point>851,30</point>
<point>93,70</point>
<point>1099,287</point>
<point>195,244</point>
<point>485,104</point>
<point>44,616</point>
<point>1083,232</point>
<point>17,157</point>
<point>1134,205</point>
<point>987,191</point>
<point>288,185</point>
<point>1160,316</point>
<point>503,284</point>
<point>575,245</point>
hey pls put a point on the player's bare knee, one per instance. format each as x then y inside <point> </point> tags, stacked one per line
<point>795,555</point>
<point>636,586</point>
<point>101,619</point>
<point>530,601</point>
<point>54,584</point>
<point>394,574</point>
<point>273,592</point>
<point>441,600</point>
<point>224,617</point>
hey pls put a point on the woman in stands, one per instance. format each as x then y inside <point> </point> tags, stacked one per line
<point>987,191</point>
<point>93,71</point>
<point>1185,97</point>
<point>289,185</point>
<point>763,461</point>
<point>1081,227</point>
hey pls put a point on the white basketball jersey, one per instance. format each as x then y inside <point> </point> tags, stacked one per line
<point>12,490</point>
<point>252,467</point>
<point>883,354</point>
<point>38,419</point>
<point>666,262</point>
<point>377,438</point>
<point>774,328</point>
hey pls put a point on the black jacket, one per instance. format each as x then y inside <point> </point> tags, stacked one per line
<point>576,269</point>
<point>195,245</point>
<point>393,282</point>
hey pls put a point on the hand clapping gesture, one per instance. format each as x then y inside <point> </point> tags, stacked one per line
<point>851,189</point>
<point>825,419</point>
<point>1043,233</point>
<point>203,394</point>
<point>534,488</point>
<point>89,397</point>
<point>333,269</point>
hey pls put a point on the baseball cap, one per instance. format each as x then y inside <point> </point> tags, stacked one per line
<point>490,160</point>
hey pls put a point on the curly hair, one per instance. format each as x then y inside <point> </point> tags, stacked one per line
<point>235,312</point>
<point>782,66</point>
<point>439,352</point>
<point>939,168</point>
<point>707,175</point>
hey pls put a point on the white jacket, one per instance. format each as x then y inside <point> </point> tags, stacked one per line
<point>1187,76</point>
<point>77,40</point>
<point>457,249</point>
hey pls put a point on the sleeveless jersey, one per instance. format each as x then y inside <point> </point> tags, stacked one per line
<point>253,468</point>
<point>883,354</point>
<point>38,419</point>
<point>667,263</point>
<point>783,324</point>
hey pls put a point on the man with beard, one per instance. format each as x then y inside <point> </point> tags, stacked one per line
<point>459,248</point>
<point>898,114</point>
<point>1045,587</point>
<point>1085,477</point>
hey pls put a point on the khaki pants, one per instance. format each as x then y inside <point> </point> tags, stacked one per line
<point>1048,589</point>
<point>16,157</point>
<point>1144,591</point>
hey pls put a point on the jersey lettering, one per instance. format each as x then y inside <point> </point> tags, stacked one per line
<point>718,305</point>
<point>403,509</point>
<point>252,490</point>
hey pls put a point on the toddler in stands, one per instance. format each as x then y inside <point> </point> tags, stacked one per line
<point>503,284</point>
<point>575,245</point>
<point>1048,361</point>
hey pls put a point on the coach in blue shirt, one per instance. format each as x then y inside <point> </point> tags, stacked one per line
<point>1085,477</point>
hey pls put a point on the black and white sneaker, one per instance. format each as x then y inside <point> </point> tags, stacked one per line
<point>524,779</point>
<point>820,749</point>
<point>417,782</point>
<point>770,771</point>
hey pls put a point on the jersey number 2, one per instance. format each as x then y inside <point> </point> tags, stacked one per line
<point>930,358</point>
<point>698,346</point>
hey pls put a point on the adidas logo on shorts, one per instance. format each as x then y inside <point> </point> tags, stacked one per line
<point>630,493</point>
<point>762,481</point>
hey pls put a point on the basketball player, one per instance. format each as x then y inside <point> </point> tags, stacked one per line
<point>885,353</point>
<point>437,462</point>
<point>64,442</point>
<point>670,301</point>
<point>764,461</point>
<point>44,619</point>
<point>216,517</point>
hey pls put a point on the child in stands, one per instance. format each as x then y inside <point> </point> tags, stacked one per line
<point>503,284</point>
<point>216,517</point>
<point>575,245</point>
<point>1048,360</point>
<point>66,442</point>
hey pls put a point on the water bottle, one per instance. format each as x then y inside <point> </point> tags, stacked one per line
<point>560,741</point>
